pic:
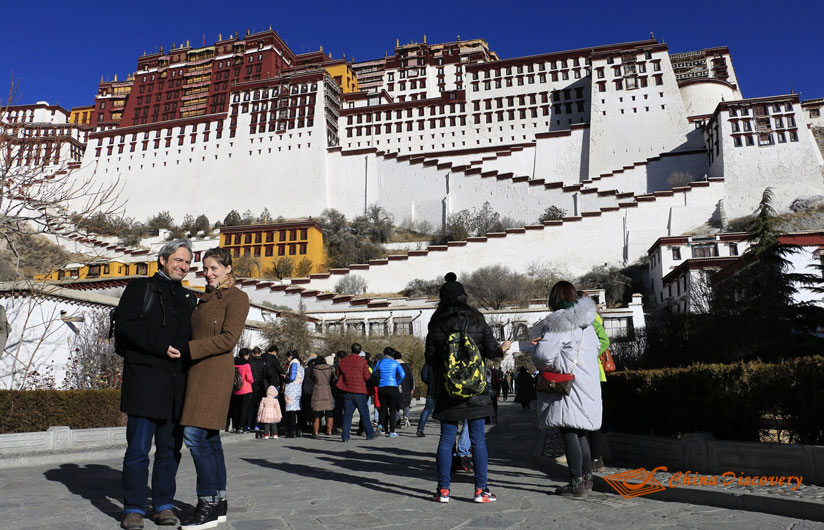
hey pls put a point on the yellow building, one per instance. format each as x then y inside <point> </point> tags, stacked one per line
<point>81,115</point>
<point>100,270</point>
<point>296,241</point>
<point>341,72</point>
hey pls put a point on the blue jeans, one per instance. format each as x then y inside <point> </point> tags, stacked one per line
<point>463,441</point>
<point>449,430</point>
<point>427,411</point>
<point>207,453</point>
<point>350,402</point>
<point>139,434</point>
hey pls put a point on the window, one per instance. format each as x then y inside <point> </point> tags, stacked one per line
<point>734,125</point>
<point>748,139</point>
<point>793,136</point>
<point>704,251</point>
<point>619,328</point>
<point>676,253</point>
<point>281,250</point>
<point>303,248</point>
<point>402,327</point>
<point>733,249</point>
<point>736,141</point>
<point>292,249</point>
<point>815,113</point>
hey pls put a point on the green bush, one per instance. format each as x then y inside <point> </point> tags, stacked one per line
<point>37,410</point>
<point>732,401</point>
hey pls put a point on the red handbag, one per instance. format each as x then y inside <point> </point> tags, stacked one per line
<point>558,383</point>
<point>553,382</point>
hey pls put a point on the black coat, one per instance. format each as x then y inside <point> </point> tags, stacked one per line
<point>275,370</point>
<point>153,384</point>
<point>407,386</point>
<point>260,372</point>
<point>446,320</point>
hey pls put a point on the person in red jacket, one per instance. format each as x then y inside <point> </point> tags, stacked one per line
<point>243,397</point>
<point>353,374</point>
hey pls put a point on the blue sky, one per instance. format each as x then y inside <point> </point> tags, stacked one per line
<point>62,48</point>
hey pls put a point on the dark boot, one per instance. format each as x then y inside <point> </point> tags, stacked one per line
<point>205,516</point>
<point>575,488</point>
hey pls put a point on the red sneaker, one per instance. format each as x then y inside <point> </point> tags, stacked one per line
<point>483,495</point>
<point>442,495</point>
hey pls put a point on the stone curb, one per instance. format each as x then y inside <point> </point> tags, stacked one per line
<point>103,452</point>
<point>61,445</point>
<point>708,496</point>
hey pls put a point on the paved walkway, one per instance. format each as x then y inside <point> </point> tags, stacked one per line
<point>309,484</point>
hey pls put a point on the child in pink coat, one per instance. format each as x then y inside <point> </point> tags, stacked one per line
<point>269,413</point>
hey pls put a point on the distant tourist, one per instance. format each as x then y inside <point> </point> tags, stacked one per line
<point>293,390</point>
<point>428,378</point>
<point>242,397</point>
<point>321,404</point>
<point>217,324</point>
<point>152,324</point>
<point>269,414</point>
<point>353,375</point>
<point>407,387</point>
<point>389,377</point>
<point>455,318</point>
<point>569,345</point>
<point>524,388</point>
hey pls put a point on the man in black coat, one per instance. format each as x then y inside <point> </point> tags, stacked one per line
<point>455,315</point>
<point>152,323</point>
<point>260,373</point>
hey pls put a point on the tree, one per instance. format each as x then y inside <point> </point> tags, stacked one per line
<point>202,224</point>
<point>610,278</point>
<point>418,287</point>
<point>303,268</point>
<point>351,284</point>
<point>248,218</point>
<point>291,332</point>
<point>756,296</point>
<point>380,223</point>
<point>232,219</point>
<point>283,268</point>
<point>160,221</point>
<point>541,277</point>
<point>495,286</point>
<point>265,217</point>
<point>41,190</point>
<point>345,242</point>
<point>93,363</point>
<point>247,266</point>
<point>473,222</point>
<point>553,213</point>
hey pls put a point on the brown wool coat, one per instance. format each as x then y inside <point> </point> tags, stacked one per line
<point>322,393</point>
<point>217,323</point>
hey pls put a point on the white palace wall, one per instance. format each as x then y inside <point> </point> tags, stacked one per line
<point>621,235</point>
<point>282,172</point>
<point>628,126</point>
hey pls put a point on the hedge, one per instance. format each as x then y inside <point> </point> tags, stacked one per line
<point>731,401</point>
<point>37,410</point>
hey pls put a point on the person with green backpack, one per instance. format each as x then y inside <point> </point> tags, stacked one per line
<point>458,341</point>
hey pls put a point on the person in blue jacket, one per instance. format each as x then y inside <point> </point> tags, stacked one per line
<point>390,375</point>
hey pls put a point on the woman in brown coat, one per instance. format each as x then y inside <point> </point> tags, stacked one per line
<point>217,323</point>
<point>322,402</point>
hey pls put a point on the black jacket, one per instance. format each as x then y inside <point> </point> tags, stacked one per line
<point>407,385</point>
<point>446,320</point>
<point>153,384</point>
<point>260,372</point>
<point>275,370</point>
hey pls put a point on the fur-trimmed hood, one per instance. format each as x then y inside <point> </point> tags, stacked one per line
<point>581,315</point>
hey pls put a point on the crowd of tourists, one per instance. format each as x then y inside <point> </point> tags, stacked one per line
<point>182,385</point>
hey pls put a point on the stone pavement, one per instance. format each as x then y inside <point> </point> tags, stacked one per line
<point>309,484</point>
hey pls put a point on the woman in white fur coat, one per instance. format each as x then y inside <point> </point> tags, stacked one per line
<point>569,344</point>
